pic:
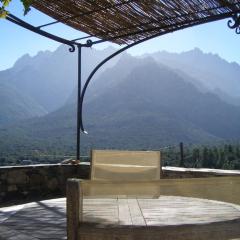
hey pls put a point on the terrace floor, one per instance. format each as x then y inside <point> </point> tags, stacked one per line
<point>37,220</point>
<point>47,219</point>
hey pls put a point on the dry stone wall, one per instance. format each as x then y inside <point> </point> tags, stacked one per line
<point>26,183</point>
<point>20,184</point>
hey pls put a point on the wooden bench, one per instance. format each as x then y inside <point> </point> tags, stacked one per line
<point>126,200</point>
<point>125,165</point>
<point>186,209</point>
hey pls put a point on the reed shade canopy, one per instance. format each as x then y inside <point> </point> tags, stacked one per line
<point>127,21</point>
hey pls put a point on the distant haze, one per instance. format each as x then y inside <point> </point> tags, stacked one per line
<point>132,103</point>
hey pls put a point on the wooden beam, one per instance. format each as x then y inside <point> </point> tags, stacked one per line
<point>74,208</point>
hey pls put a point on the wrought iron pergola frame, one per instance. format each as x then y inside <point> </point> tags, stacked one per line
<point>233,23</point>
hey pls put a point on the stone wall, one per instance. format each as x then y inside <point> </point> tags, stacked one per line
<point>36,182</point>
<point>178,172</point>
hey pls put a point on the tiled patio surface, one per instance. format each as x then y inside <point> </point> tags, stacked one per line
<point>47,219</point>
<point>38,220</point>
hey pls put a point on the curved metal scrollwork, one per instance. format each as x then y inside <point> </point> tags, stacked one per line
<point>28,26</point>
<point>89,43</point>
<point>234,23</point>
<point>72,48</point>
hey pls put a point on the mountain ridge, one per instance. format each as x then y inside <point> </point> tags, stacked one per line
<point>209,69</point>
<point>140,111</point>
<point>134,103</point>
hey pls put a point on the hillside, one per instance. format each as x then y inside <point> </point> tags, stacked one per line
<point>210,72</point>
<point>133,103</point>
<point>147,107</point>
<point>50,77</point>
<point>15,106</point>
<point>154,89</point>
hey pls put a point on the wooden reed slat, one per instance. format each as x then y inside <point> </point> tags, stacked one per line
<point>123,18</point>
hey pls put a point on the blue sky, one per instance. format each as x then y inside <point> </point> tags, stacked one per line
<point>15,41</point>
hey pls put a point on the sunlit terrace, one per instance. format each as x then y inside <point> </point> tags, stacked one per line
<point>148,201</point>
<point>125,194</point>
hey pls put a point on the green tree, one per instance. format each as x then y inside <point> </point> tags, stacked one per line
<point>205,157</point>
<point>5,4</point>
<point>211,159</point>
<point>221,159</point>
<point>196,157</point>
<point>237,151</point>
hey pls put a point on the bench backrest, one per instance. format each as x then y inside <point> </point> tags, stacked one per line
<point>125,165</point>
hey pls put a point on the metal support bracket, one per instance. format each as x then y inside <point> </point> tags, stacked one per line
<point>234,23</point>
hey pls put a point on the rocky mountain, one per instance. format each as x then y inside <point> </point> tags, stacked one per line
<point>49,78</point>
<point>136,104</point>
<point>208,70</point>
<point>15,106</point>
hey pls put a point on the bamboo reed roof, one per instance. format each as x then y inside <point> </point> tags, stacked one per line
<point>126,21</point>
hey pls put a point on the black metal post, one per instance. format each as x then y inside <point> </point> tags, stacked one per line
<point>78,101</point>
<point>181,155</point>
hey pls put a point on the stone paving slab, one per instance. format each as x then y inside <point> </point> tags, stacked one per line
<point>11,234</point>
<point>47,219</point>
<point>37,220</point>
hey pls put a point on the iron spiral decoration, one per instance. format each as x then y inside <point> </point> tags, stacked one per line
<point>89,43</point>
<point>234,23</point>
<point>72,48</point>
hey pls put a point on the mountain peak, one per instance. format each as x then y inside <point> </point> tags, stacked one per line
<point>22,61</point>
<point>43,53</point>
<point>195,51</point>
